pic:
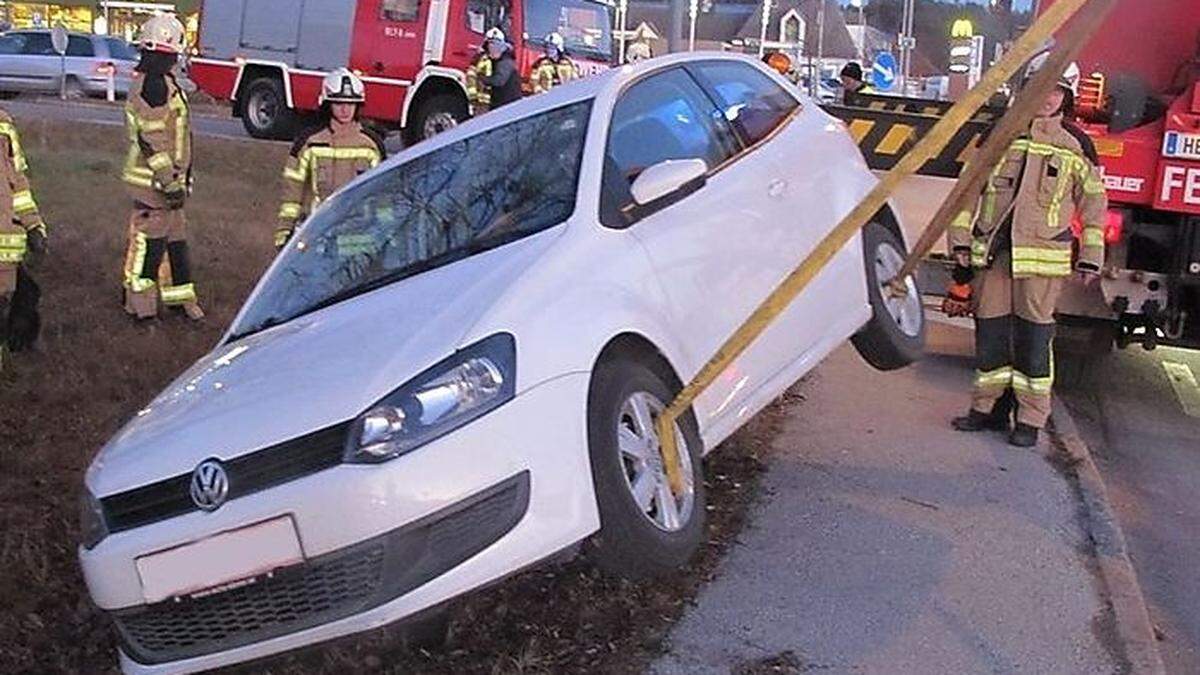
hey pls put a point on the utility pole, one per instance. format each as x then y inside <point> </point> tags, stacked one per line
<point>766,20</point>
<point>675,27</point>
<point>693,10</point>
<point>907,43</point>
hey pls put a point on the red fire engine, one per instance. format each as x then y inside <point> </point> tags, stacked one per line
<point>269,56</point>
<point>1140,101</point>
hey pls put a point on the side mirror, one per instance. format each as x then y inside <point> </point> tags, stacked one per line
<point>667,177</point>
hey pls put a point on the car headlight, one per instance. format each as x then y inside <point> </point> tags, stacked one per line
<point>468,385</point>
<point>91,520</point>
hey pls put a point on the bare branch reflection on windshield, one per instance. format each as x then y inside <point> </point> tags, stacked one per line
<point>459,200</point>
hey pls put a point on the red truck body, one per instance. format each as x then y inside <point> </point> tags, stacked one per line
<point>1147,133</point>
<point>269,56</point>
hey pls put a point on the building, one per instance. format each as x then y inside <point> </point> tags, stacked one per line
<point>105,17</point>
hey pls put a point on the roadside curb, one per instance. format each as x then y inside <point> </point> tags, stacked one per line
<point>1133,625</point>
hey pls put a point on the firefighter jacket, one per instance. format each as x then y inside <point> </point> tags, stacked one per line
<point>548,73</point>
<point>477,93</point>
<point>1030,202</point>
<point>321,163</point>
<point>18,211</point>
<point>157,120</point>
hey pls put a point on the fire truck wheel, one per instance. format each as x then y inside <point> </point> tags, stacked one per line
<point>435,115</point>
<point>895,335</point>
<point>265,112</point>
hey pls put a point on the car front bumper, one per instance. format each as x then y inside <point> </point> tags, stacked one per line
<point>380,542</point>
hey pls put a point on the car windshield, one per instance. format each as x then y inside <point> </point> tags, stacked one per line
<point>471,196</point>
<point>586,26</point>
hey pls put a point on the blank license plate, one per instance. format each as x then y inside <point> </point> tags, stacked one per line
<point>220,560</point>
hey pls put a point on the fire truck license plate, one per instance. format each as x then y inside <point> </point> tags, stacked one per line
<point>1181,146</point>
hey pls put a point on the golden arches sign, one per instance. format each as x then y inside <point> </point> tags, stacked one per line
<point>963,28</point>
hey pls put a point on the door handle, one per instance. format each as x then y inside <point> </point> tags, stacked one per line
<point>776,188</point>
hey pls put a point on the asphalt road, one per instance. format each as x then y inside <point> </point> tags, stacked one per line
<point>1140,412</point>
<point>113,115</point>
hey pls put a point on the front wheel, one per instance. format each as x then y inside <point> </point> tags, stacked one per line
<point>433,116</point>
<point>895,336</point>
<point>645,529</point>
<point>265,113</point>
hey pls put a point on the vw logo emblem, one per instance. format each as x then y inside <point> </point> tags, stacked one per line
<point>210,485</point>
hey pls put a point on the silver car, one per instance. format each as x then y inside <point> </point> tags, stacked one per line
<point>28,63</point>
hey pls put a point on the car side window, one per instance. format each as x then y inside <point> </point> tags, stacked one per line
<point>485,14</point>
<point>400,10</point>
<point>666,116</point>
<point>120,49</point>
<point>80,46</point>
<point>12,44</point>
<point>38,44</point>
<point>751,101</point>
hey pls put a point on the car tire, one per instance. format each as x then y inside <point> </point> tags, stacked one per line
<point>895,336</point>
<point>639,540</point>
<point>72,89</point>
<point>433,116</point>
<point>264,110</point>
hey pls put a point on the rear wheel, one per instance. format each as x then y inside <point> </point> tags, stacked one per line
<point>264,109</point>
<point>645,529</point>
<point>438,113</point>
<point>895,336</point>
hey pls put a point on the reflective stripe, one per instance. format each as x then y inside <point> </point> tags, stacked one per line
<point>1092,185</point>
<point>369,154</point>
<point>160,161</point>
<point>148,126</point>
<point>290,211</point>
<point>1038,386</point>
<point>179,105</point>
<point>281,236</point>
<point>14,143</point>
<point>134,178</point>
<point>962,221</point>
<point>994,379</point>
<point>133,276</point>
<point>23,202</point>
<point>178,295</point>
<point>295,175</point>
<point>1093,237</point>
<point>12,247</point>
<point>1041,262</point>
<point>979,251</point>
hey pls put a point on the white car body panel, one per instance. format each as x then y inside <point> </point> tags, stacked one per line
<point>682,279</point>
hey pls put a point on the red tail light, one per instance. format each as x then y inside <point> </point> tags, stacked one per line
<point>106,68</point>
<point>1114,228</point>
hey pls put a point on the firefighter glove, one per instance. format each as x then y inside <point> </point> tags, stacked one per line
<point>37,240</point>
<point>958,296</point>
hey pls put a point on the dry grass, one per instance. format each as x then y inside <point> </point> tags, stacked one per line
<point>95,367</point>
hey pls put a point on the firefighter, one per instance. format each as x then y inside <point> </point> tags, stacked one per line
<point>478,95</point>
<point>853,83</point>
<point>158,176</point>
<point>504,82</point>
<point>22,234</point>
<point>329,156</point>
<point>1018,245</point>
<point>554,68</point>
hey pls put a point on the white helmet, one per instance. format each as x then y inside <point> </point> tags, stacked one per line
<point>343,86</point>
<point>162,33</point>
<point>555,40</point>
<point>494,33</point>
<point>1069,80</point>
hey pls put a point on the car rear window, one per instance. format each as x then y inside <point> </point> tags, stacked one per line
<point>80,46</point>
<point>38,44</point>
<point>751,101</point>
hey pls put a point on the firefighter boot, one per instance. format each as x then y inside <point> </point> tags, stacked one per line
<point>999,419</point>
<point>1023,436</point>
<point>181,293</point>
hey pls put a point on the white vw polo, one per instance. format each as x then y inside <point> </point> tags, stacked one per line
<point>453,370</point>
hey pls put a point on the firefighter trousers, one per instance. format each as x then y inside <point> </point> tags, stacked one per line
<point>1014,340</point>
<point>157,264</point>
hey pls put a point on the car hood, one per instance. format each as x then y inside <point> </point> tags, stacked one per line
<point>310,373</point>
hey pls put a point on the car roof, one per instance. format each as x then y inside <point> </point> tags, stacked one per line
<point>27,31</point>
<point>603,86</point>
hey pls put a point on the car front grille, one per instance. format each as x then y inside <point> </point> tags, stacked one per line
<point>336,585</point>
<point>248,474</point>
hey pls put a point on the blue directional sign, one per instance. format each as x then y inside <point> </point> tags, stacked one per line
<point>883,73</point>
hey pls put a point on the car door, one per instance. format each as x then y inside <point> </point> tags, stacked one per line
<point>38,66</point>
<point>770,120</point>
<point>712,246</point>
<point>81,61</point>
<point>11,45</point>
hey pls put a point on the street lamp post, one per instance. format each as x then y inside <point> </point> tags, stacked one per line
<point>622,8</point>
<point>693,10</point>
<point>766,19</point>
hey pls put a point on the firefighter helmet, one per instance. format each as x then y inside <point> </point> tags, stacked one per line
<point>162,33</point>
<point>343,86</point>
<point>1069,80</point>
<point>495,34</point>
<point>555,40</point>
